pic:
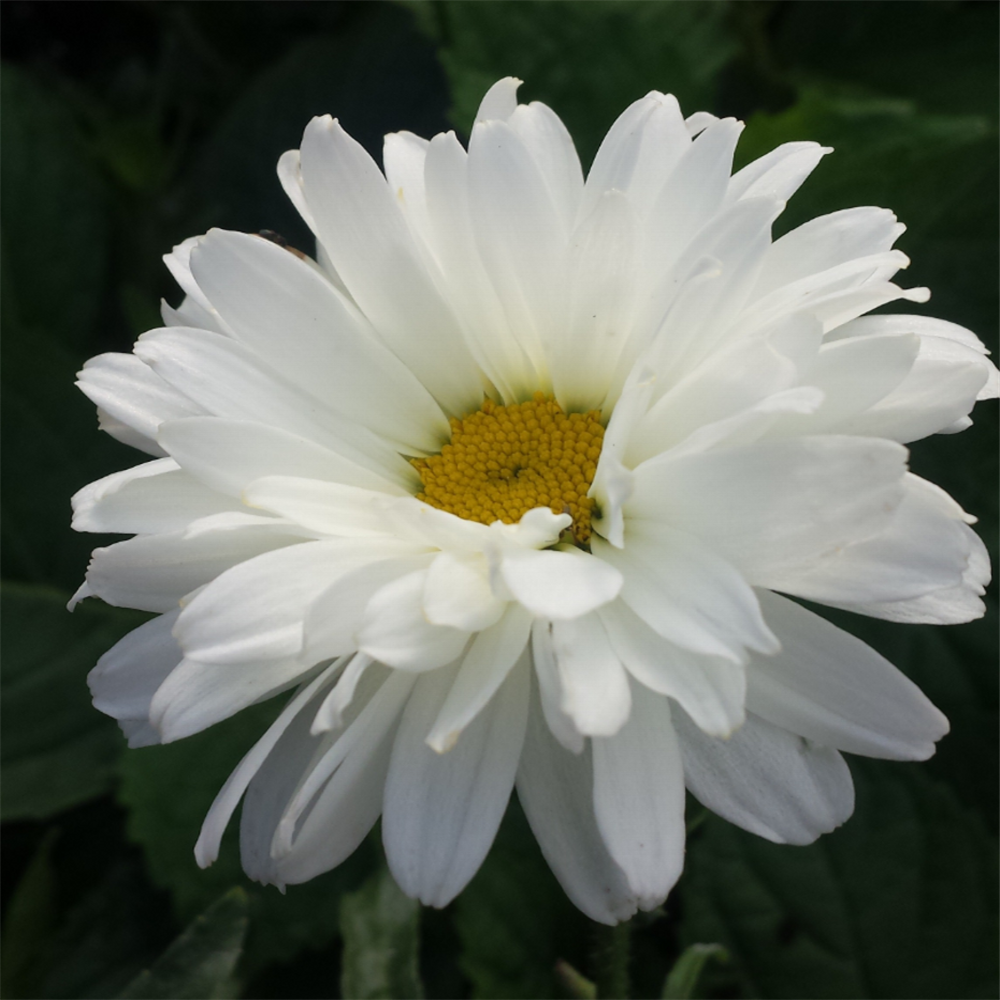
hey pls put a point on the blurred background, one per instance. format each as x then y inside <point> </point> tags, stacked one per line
<point>129,126</point>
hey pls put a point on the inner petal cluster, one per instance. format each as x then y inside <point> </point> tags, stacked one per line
<point>506,460</point>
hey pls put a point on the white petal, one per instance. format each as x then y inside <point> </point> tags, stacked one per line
<point>155,497</point>
<point>290,174</point>
<point>693,193</point>
<point>854,283</point>
<point>833,689</point>
<point>729,381</point>
<point>128,674</point>
<point>520,236</point>
<point>441,811</point>
<point>767,780</point>
<point>776,506</point>
<point>948,606</point>
<point>334,619</point>
<point>600,276</point>
<point>618,155</point>
<point>228,455</point>
<point>178,262</point>
<point>467,282</point>
<point>841,307</point>
<point>925,547</point>
<point>686,593</point>
<point>552,149</point>
<point>153,572</point>
<point>698,122</point>
<point>490,658</point>
<point>853,376</point>
<point>639,798</point>
<point>255,610</point>
<point>404,156</point>
<point>332,710</point>
<point>614,483</point>
<point>550,688</point>
<point>303,327</point>
<point>130,392</point>
<point>639,152</point>
<point>695,300</point>
<point>231,382</point>
<point>538,528</point>
<point>342,806</point>
<point>826,242</point>
<point>324,507</point>
<point>139,733</point>
<point>710,689</point>
<point>198,695</point>
<point>936,395</point>
<point>555,788</point>
<point>458,593</point>
<point>500,101</point>
<point>394,629</point>
<point>190,313</point>
<point>595,688</point>
<point>752,424</point>
<point>366,236</point>
<point>127,435</point>
<point>345,809</point>
<point>206,850</point>
<point>939,341</point>
<point>778,174</point>
<point>559,584</point>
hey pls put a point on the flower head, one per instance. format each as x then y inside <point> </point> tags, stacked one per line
<point>504,487</point>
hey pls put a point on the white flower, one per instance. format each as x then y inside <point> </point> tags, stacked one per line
<point>659,420</point>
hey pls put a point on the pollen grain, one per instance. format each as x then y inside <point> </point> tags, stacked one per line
<point>503,461</point>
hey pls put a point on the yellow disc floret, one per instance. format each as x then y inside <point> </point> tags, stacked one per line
<point>505,460</point>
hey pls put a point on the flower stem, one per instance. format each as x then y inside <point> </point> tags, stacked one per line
<point>611,955</point>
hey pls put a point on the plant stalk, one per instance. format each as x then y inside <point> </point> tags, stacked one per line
<point>611,958</point>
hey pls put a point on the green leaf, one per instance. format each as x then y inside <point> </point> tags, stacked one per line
<point>200,964</point>
<point>943,55</point>
<point>574,982</point>
<point>58,750</point>
<point>55,215</point>
<point>683,978</point>
<point>28,924</point>
<point>514,921</point>
<point>169,789</point>
<point>381,931</point>
<point>106,937</point>
<point>900,902</point>
<point>556,48</point>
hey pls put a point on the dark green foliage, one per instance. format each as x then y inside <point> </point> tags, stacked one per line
<point>200,964</point>
<point>684,976</point>
<point>513,920</point>
<point>168,120</point>
<point>57,751</point>
<point>900,902</point>
<point>381,931</point>
<point>55,220</point>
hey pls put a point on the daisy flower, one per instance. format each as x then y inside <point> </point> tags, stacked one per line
<point>516,485</point>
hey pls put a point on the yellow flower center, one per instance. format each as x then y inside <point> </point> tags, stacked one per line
<point>505,460</point>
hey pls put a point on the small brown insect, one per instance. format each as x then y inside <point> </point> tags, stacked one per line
<point>273,237</point>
